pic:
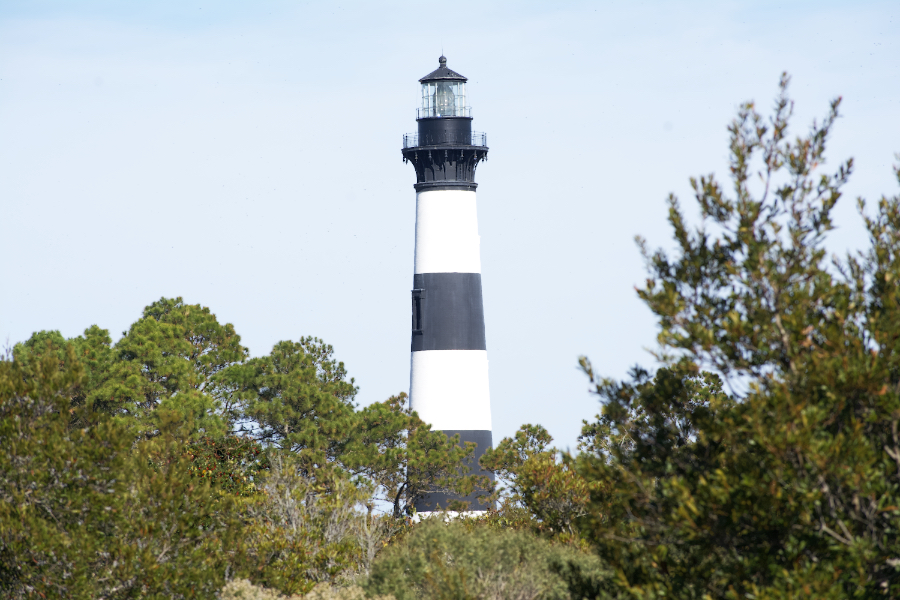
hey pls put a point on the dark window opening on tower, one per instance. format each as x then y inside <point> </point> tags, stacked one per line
<point>418,296</point>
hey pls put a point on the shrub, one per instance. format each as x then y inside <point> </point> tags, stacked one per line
<point>450,561</point>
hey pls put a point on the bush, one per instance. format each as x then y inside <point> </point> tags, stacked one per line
<point>241,589</point>
<point>450,561</point>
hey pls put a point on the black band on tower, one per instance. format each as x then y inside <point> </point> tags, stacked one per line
<point>444,131</point>
<point>445,153</point>
<point>432,186</point>
<point>448,312</point>
<point>439,500</point>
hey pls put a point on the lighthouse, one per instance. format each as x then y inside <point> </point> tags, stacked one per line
<point>449,364</point>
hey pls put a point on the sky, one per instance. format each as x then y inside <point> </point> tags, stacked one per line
<point>246,156</point>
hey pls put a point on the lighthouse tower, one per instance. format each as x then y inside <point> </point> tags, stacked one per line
<point>449,366</point>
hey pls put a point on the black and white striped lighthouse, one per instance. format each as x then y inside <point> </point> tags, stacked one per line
<point>449,365</point>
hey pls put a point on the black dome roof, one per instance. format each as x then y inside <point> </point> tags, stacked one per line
<point>442,73</point>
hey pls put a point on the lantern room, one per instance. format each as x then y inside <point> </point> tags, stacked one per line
<point>443,94</point>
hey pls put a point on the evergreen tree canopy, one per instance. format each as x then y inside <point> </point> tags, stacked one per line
<point>159,465</point>
<point>763,459</point>
<point>86,513</point>
<point>404,459</point>
<point>298,399</point>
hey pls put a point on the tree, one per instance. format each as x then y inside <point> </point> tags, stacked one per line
<point>119,478</point>
<point>405,460</point>
<point>298,400</point>
<point>94,353</point>
<point>169,359</point>
<point>788,485</point>
<point>302,532</point>
<point>541,479</point>
<point>85,512</point>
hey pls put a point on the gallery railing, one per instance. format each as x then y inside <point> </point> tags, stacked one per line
<point>478,138</point>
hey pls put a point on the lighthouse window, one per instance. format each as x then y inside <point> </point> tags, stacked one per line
<point>444,99</point>
<point>418,297</point>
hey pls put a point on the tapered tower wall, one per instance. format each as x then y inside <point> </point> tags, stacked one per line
<point>449,365</point>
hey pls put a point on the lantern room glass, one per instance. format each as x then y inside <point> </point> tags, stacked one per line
<point>444,99</point>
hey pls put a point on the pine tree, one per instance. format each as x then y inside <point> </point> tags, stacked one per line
<point>763,458</point>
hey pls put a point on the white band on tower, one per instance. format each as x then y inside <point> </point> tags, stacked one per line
<point>447,239</point>
<point>449,389</point>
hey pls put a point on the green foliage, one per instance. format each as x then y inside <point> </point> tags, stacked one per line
<point>398,453</point>
<point>168,361</point>
<point>787,485</point>
<point>94,354</point>
<point>165,367</point>
<point>120,480</point>
<point>299,401</point>
<point>87,513</point>
<point>234,464</point>
<point>242,589</point>
<point>444,561</point>
<point>303,532</point>
<point>90,512</point>
<point>540,479</point>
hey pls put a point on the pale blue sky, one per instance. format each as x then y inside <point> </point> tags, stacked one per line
<point>246,156</point>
